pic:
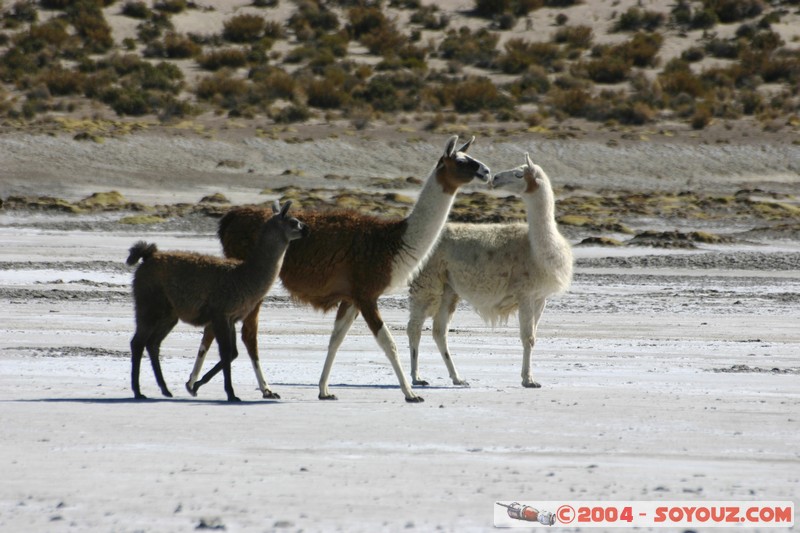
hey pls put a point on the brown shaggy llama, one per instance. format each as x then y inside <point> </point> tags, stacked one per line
<point>204,290</point>
<point>349,260</point>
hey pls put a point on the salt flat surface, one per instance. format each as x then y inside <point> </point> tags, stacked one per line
<point>657,385</point>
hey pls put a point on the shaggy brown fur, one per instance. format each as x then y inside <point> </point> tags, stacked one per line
<point>322,269</point>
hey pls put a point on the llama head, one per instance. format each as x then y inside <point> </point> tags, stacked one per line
<point>455,168</point>
<point>290,227</point>
<point>525,179</point>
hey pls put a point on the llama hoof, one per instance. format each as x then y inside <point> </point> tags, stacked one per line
<point>461,383</point>
<point>328,397</point>
<point>414,399</point>
<point>420,383</point>
<point>531,385</point>
<point>234,399</point>
<point>268,394</point>
<point>139,396</point>
<point>191,389</point>
<point>166,393</point>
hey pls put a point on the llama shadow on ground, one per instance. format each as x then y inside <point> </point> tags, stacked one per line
<point>366,386</point>
<point>148,401</point>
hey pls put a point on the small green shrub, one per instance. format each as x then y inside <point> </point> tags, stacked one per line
<point>633,112</point>
<point>635,19</point>
<point>170,6</point>
<point>322,94</point>
<point>97,83</point>
<point>52,33</point>
<point>520,54</point>
<point>579,37</point>
<point>312,19</point>
<point>153,27</point>
<point>728,11</point>
<point>701,117</point>
<point>752,102</point>
<point>136,9</point>
<point>723,49</point>
<point>174,46</point>
<point>274,29</point>
<point>475,94</point>
<point>244,28</point>
<point>23,11</point>
<point>641,50</point>
<point>766,40</point>
<point>573,102</point>
<point>62,82</point>
<point>530,86</point>
<point>270,83</point>
<point>384,40</point>
<point>608,68</point>
<point>430,18</point>
<point>172,108</point>
<point>472,48</point>
<point>223,58</point>
<point>221,86</point>
<point>677,78</point>
<point>123,64</point>
<point>128,101</point>
<point>704,19</point>
<point>291,113</point>
<point>55,4</point>
<point>495,8</point>
<point>364,20</point>
<point>179,46</point>
<point>693,54</point>
<point>164,76</point>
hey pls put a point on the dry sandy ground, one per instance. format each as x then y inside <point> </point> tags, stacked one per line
<point>666,376</point>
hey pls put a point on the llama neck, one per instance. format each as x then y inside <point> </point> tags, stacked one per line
<point>423,227</point>
<point>542,228</point>
<point>259,270</point>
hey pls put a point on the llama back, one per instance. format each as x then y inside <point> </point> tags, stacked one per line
<point>321,269</point>
<point>168,276</point>
<point>489,266</point>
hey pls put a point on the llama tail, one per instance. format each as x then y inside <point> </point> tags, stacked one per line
<point>140,250</point>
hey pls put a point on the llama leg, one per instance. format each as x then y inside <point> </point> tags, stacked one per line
<point>447,306</point>
<point>154,351</point>
<point>529,314</point>
<point>345,316</point>
<point>385,341</point>
<point>414,332</point>
<point>137,349</point>
<point>225,332</point>
<point>250,340</point>
<point>205,344</point>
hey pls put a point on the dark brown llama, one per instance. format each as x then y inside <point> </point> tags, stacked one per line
<point>204,291</point>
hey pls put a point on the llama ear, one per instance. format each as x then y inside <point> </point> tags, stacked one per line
<point>450,149</point>
<point>276,207</point>
<point>528,160</point>
<point>467,145</point>
<point>285,208</point>
<point>529,171</point>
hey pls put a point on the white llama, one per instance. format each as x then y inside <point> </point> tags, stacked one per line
<point>498,268</point>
